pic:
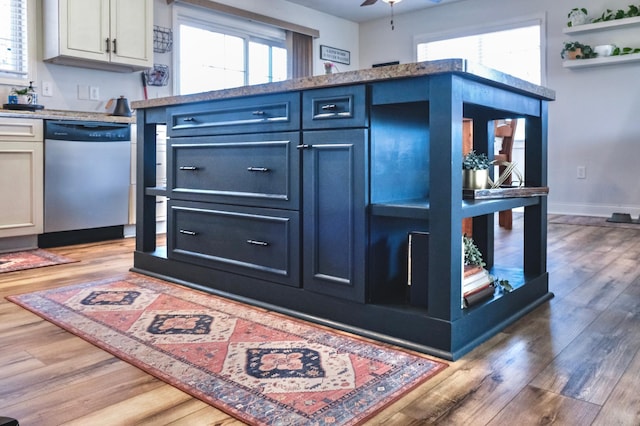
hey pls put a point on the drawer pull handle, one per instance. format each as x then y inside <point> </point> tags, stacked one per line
<point>187,232</point>
<point>258,169</point>
<point>189,119</point>
<point>257,243</point>
<point>303,146</point>
<point>189,168</point>
<point>259,112</point>
<point>329,107</point>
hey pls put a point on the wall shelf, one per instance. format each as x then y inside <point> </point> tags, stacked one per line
<point>606,60</point>
<point>600,26</point>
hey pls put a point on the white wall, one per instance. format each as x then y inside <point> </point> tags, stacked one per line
<point>593,121</point>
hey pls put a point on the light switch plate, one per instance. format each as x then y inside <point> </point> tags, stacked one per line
<point>47,89</point>
<point>94,93</point>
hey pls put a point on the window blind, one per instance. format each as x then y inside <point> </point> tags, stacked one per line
<point>13,38</point>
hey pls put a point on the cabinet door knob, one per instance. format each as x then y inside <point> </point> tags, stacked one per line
<point>188,168</point>
<point>257,169</point>
<point>257,243</point>
<point>187,232</point>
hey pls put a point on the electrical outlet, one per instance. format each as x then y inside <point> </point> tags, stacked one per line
<point>94,93</point>
<point>47,90</point>
<point>581,172</point>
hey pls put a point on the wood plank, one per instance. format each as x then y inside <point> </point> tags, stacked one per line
<point>533,406</point>
<point>589,367</point>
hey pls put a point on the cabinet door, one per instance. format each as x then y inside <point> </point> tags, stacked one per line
<point>84,29</point>
<point>334,205</point>
<point>132,32</point>
<point>21,188</point>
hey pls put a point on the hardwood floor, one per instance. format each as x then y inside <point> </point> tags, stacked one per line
<point>573,361</point>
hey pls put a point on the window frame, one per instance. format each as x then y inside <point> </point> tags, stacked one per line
<point>212,21</point>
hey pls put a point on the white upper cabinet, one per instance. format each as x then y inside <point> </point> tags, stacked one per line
<point>104,34</point>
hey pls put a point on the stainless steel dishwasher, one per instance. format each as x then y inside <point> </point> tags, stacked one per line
<point>86,181</point>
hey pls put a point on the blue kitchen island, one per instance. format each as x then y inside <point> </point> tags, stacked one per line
<point>300,197</point>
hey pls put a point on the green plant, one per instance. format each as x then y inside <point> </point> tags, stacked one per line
<point>618,51</point>
<point>573,12</point>
<point>472,255</point>
<point>475,161</point>
<point>581,51</point>
<point>22,91</point>
<point>503,284</point>
<point>610,15</point>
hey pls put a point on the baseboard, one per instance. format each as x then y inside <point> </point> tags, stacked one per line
<point>597,210</point>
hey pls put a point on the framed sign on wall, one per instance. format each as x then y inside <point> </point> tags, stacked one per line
<point>335,55</point>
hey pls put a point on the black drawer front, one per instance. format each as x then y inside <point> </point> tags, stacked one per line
<point>256,242</point>
<point>334,107</point>
<point>254,170</point>
<point>277,113</point>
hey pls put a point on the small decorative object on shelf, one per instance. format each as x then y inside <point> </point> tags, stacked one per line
<point>577,16</point>
<point>475,171</point>
<point>472,255</point>
<point>577,50</point>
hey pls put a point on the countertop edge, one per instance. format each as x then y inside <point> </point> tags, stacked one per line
<point>45,114</point>
<point>415,69</point>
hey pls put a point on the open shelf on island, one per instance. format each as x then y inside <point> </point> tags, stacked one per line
<point>419,209</point>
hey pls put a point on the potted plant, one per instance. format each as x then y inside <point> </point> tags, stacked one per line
<point>475,170</point>
<point>577,16</point>
<point>577,50</point>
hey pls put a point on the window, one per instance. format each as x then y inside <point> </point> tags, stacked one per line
<point>218,52</point>
<point>516,50</point>
<point>14,52</point>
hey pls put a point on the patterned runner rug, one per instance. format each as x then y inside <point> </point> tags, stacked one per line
<point>29,259</point>
<point>258,366</point>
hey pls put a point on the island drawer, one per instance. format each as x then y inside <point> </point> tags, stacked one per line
<point>335,107</point>
<point>255,170</point>
<point>251,241</point>
<point>266,113</point>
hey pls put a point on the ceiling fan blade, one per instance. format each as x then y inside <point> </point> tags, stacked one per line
<point>368,2</point>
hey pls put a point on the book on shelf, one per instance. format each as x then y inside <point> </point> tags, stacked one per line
<point>478,296</point>
<point>475,280</point>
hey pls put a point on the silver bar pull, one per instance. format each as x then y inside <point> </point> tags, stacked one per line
<point>258,243</point>
<point>187,232</point>
<point>329,107</point>
<point>188,168</point>
<point>303,146</point>
<point>257,169</point>
<point>259,112</point>
<point>189,119</point>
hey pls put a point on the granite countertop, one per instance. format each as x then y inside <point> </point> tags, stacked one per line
<point>417,69</point>
<point>52,114</point>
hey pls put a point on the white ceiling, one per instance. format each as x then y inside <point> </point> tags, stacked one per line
<point>352,11</point>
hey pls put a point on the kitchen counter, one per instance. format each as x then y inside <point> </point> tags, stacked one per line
<point>369,75</point>
<point>52,114</point>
